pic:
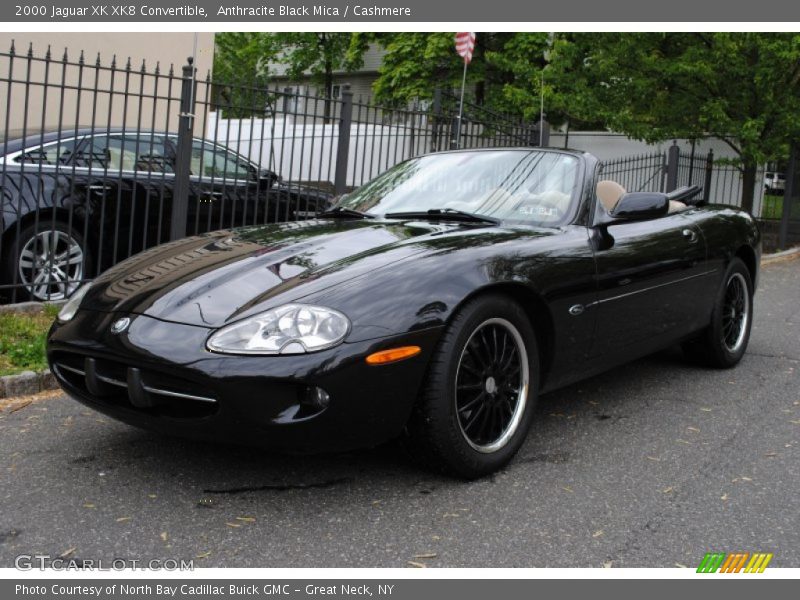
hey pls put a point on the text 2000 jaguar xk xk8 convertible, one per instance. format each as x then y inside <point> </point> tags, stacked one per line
<point>435,303</point>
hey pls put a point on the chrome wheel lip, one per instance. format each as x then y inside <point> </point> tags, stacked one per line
<point>735,310</point>
<point>522,394</point>
<point>50,265</point>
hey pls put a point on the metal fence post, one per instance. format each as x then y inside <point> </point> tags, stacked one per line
<point>455,132</point>
<point>673,156</point>
<point>790,193</point>
<point>343,147</point>
<point>709,173</point>
<point>183,154</point>
<point>437,119</point>
<point>543,131</point>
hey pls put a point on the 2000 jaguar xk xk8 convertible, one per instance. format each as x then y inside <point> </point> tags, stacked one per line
<point>435,303</point>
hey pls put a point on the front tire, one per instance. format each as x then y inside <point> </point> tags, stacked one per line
<point>480,391</point>
<point>723,343</point>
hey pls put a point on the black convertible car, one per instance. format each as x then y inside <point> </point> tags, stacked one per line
<point>74,204</point>
<point>434,303</point>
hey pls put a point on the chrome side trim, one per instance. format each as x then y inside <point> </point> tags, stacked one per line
<point>653,287</point>
<point>147,388</point>
<point>116,382</point>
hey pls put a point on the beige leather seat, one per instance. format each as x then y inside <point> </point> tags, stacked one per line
<point>675,206</point>
<point>609,192</point>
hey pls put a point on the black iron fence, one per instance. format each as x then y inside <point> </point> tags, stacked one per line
<point>665,171</point>
<point>101,160</point>
<point>786,222</point>
<point>777,210</point>
<point>639,173</point>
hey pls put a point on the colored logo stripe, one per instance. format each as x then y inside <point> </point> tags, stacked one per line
<point>734,562</point>
<point>711,562</point>
<point>758,563</point>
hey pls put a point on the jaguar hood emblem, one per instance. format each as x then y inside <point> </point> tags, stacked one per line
<point>120,325</point>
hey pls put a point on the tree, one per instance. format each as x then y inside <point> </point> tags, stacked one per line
<point>239,70</point>
<point>417,63</point>
<point>318,54</point>
<point>239,56</point>
<point>743,88</point>
<point>505,73</point>
<point>245,58</point>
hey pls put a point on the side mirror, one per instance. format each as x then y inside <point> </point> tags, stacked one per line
<point>641,205</point>
<point>267,178</point>
<point>637,206</point>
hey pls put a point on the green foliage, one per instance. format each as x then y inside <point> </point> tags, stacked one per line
<point>417,63</point>
<point>239,56</point>
<point>318,54</point>
<point>743,88</point>
<point>241,63</point>
<point>505,73</point>
<point>22,340</point>
<point>240,73</point>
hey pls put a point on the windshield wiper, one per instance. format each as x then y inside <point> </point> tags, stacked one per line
<point>443,213</point>
<point>338,212</point>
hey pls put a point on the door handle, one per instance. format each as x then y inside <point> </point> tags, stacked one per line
<point>99,188</point>
<point>210,196</point>
<point>690,235</point>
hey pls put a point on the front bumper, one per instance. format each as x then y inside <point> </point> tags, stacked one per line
<point>158,375</point>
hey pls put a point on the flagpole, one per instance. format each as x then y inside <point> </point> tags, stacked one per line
<point>541,111</point>
<point>461,106</point>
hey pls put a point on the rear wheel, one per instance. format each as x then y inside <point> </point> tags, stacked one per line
<point>48,260</point>
<point>476,408</point>
<point>723,343</point>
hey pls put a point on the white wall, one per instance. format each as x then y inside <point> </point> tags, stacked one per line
<point>607,146</point>
<point>300,151</point>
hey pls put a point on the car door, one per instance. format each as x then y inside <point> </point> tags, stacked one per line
<point>650,275</point>
<point>129,183</point>
<point>223,189</point>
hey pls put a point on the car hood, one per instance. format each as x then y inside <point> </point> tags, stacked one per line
<point>216,278</point>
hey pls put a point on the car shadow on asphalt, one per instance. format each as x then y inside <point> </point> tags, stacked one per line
<point>225,469</point>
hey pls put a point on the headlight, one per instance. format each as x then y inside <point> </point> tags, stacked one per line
<point>71,307</point>
<point>288,329</point>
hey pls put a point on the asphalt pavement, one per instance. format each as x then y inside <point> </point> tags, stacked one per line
<point>650,465</point>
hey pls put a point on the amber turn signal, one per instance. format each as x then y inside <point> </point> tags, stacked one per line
<point>393,355</point>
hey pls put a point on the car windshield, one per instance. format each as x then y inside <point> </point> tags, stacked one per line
<point>529,186</point>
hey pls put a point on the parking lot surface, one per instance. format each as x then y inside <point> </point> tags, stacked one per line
<point>650,465</point>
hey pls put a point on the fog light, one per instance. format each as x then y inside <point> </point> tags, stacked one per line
<point>317,398</point>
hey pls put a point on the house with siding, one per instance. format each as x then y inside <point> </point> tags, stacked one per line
<point>360,81</point>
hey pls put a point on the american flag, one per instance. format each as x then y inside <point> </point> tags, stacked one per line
<point>465,45</point>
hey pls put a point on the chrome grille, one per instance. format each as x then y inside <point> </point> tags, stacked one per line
<point>119,384</point>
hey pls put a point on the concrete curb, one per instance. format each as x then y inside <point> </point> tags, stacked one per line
<point>779,256</point>
<point>27,383</point>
